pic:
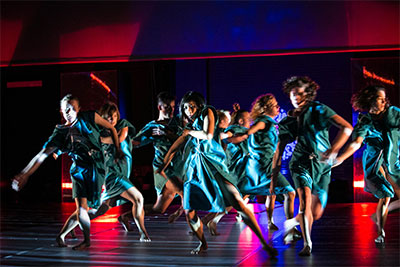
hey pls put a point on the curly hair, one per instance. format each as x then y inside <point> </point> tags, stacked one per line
<point>237,114</point>
<point>366,97</point>
<point>192,96</point>
<point>108,109</point>
<point>262,105</point>
<point>311,87</point>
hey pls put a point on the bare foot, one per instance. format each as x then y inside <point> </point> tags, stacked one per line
<point>125,223</point>
<point>305,252</point>
<point>202,247</point>
<point>212,227</point>
<point>272,252</point>
<point>272,226</point>
<point>144,238</point>
<point>60,241</point>
<point>174,216</point>
<point>81,246</point>
<point>239,218</point>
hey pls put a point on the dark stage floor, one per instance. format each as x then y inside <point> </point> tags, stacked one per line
<point>343,237</point>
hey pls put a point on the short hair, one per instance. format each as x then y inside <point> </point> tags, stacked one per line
<point>237,114</point>
<point>69,98</point>
<point>262,104</point>
<point>192,96</point>
<point>165,97</point>
<point>108,109</point>
<point>311,87</point>
<point>365,98</point>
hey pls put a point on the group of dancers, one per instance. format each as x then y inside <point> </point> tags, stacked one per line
<point>215,160</point>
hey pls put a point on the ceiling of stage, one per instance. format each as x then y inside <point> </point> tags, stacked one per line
<point>76,32</point>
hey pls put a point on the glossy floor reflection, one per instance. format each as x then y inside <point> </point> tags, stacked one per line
<point>343,237</point>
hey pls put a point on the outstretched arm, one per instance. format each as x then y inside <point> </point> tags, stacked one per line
<point>172,151</point>
<point>241,137</point>
<point>20,179</point>
<point>349,150</point>
<point>341,138</point>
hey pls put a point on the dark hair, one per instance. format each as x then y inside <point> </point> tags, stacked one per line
<point>262,104</point>
<point>69,98</point>
<point>365,98</point>
<point>311,86</point>
<point>108,109</point>
<point>196,98</point>
<point>237,114</point>
<point>165,97</point>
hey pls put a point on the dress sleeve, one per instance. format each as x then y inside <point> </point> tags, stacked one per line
<point>57,139</point>
<point>287,130</point>
<point>361,128</point>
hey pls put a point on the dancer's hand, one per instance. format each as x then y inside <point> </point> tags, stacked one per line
<point>19,181</point>
<point>329,156</point>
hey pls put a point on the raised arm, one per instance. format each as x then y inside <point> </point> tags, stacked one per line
<point>20,179</point>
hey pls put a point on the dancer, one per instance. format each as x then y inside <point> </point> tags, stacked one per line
<point>162,133</point>
<point>118,187</point>
<point>80,138</point>
<point>380,130</point>
<point>308,123</point>
<point>262,140</point>
<point>207,186</point>
<point>236,157</point>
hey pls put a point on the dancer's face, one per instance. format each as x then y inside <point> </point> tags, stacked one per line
<point>113,119</point>
<point>190,108</point>
<point>167,109</point>
<point>70,110</point>
<point>245,120</point>
<point>380,102</point>
<point>223,123</point>
<point>298,97</point>
<point>275,108</point>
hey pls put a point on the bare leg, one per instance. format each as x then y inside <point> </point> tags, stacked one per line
<point>212,224</point>
<point>84,223</point>
<point>133,195</point>
<point>233,196</point>
<point>289,204</point>
<point>69,225</point>
<point>197,228</point>
<point>306,219</point>
<point>164,200</point>
<point>381,215</point>
<point>270,205</point>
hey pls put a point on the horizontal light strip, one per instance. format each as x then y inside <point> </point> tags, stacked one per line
<point>177,57</point>
<point>21,84</point>
<point>358,184</point>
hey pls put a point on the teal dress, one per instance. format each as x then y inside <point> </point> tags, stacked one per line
<point>161,146</point>
<point>381,139</point>
<point>237,154</point>
<point>81,142</point>
<point>118,171</point>
<point>310,129</point>
<point>258,170</point>
<point>205,170</point>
